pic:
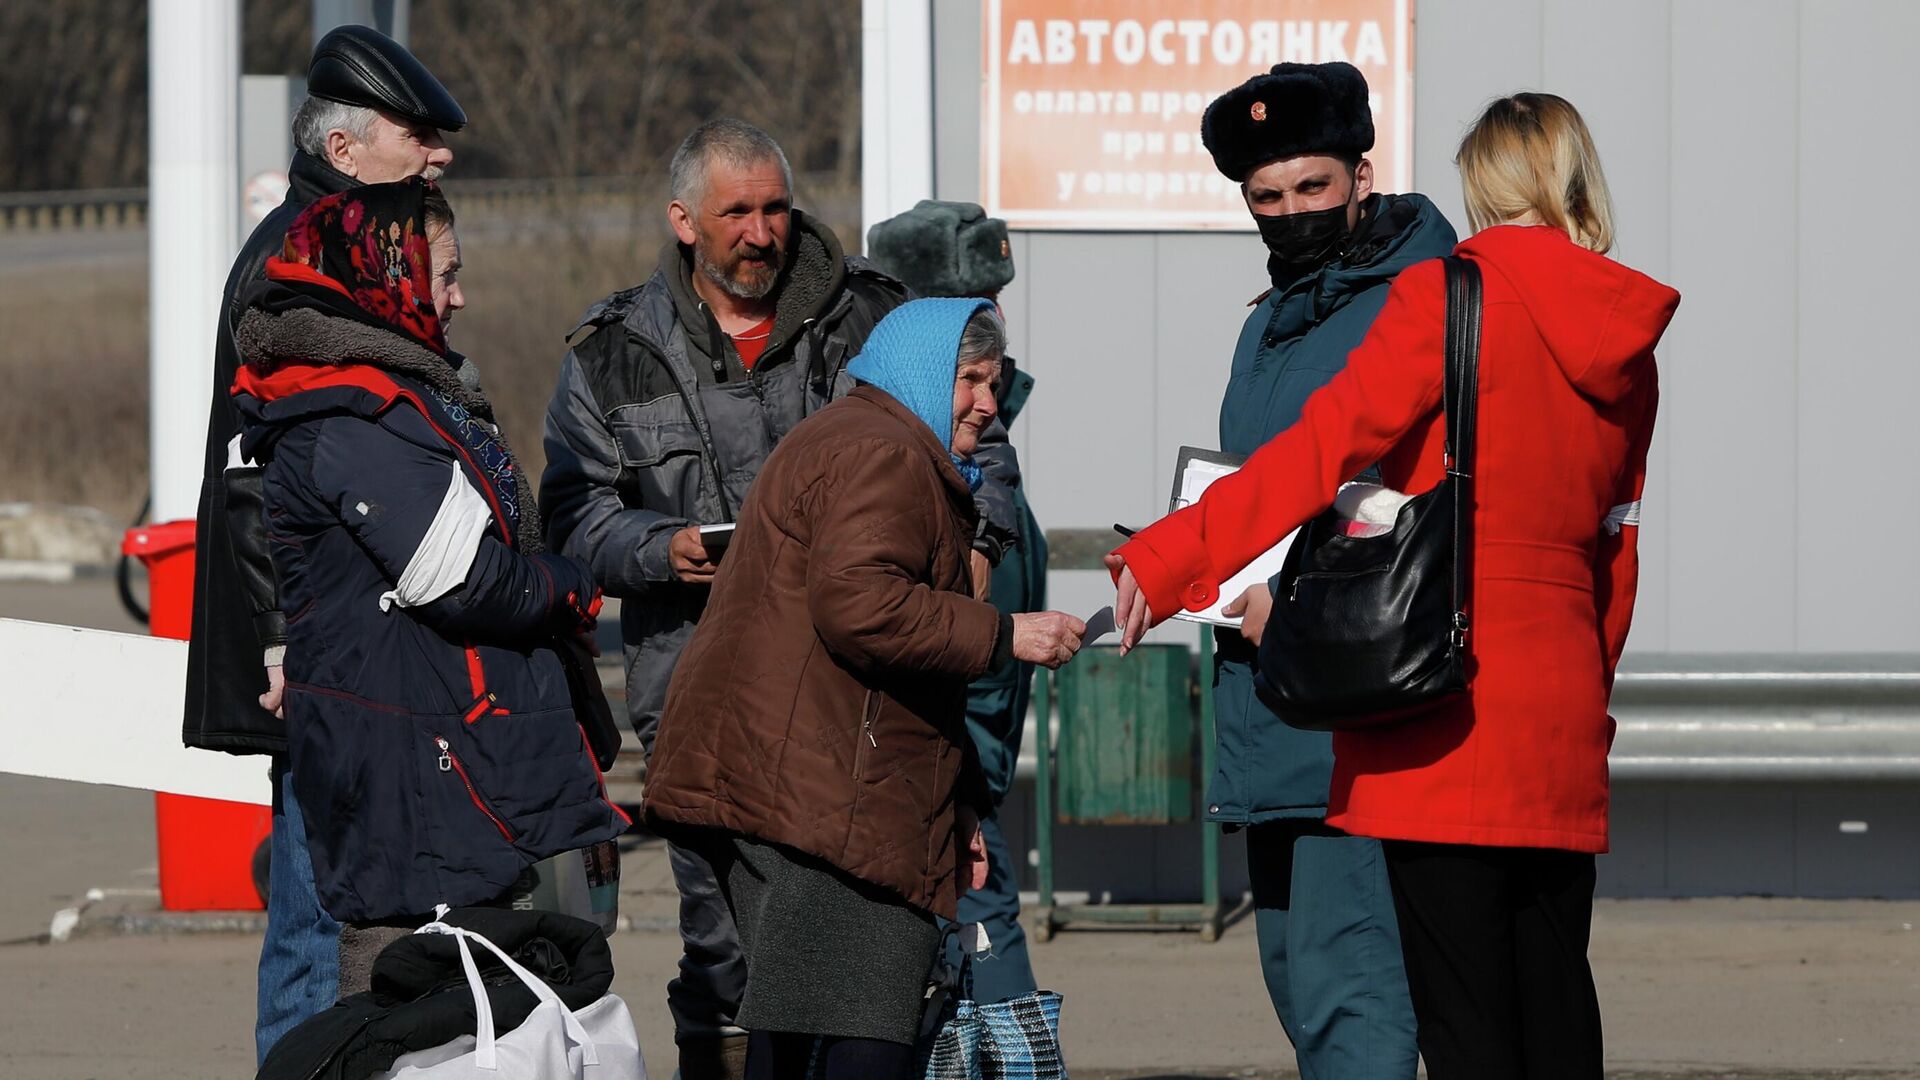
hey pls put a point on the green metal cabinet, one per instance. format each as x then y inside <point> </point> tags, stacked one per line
<point>1126,737</point>
<point>1128,728</point>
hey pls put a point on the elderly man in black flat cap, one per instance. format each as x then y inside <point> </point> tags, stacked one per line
<point>373,114</point>
<point>1296,139</point>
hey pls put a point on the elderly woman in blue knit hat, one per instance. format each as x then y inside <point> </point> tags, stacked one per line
<point>814,739</point>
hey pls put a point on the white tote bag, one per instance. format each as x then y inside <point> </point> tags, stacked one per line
<point>553,1043</point>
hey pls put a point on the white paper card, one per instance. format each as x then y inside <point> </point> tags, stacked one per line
<point>1195,478</point>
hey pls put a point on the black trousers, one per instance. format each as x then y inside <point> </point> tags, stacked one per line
<point>1496,949</point>
<point>780,1056</point>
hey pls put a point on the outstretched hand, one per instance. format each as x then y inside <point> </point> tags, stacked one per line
<point>1251,608</point>
<point>1129,606</point>
<point>1047,638</point>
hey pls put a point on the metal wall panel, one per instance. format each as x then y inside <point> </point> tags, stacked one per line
<point>1464,55</point>
<point>1730,840</point>
<point>1859,508</point>
<point>1090,460</point>
<point>1203,282</point>
<point>1728,371</point>
<point>956,99</point>
<point>1862,840</point>
<point>1611,60</point>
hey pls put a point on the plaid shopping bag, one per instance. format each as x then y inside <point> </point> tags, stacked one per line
<point>1005,1040</point>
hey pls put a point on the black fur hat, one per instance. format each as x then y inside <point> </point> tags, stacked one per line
<point>944,249</point>
<point>1293,109</point>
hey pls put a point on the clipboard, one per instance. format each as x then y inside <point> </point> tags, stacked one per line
<point>1194,471</point>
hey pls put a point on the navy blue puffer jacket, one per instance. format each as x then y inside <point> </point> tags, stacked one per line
<point>434,743</point>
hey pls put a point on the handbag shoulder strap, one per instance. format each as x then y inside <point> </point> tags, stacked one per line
<point>1461,398</point>
<point>1463,363</point>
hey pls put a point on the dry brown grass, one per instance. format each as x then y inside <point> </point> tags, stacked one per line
<point>73,344</point>
<point>73,385</point>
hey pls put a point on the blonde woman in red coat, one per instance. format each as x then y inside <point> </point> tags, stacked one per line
<point>1493,809</point>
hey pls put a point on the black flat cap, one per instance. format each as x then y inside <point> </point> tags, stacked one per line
<point>944,249</point>
<point>357,65</point>
<point>1293,109</point>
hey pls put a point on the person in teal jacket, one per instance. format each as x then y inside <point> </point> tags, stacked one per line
<point>1295,139</point>
<point>954,249</point>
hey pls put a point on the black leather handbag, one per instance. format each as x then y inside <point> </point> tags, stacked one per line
<point>1371,631</point>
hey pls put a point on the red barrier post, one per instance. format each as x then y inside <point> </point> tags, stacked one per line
<point>206,845</point>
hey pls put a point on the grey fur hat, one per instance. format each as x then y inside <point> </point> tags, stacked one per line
<point>944,249</point>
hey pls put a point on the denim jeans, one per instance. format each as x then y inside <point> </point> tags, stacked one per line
<point>300,958</point>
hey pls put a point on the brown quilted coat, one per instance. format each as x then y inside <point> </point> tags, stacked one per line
<point>821,702</point>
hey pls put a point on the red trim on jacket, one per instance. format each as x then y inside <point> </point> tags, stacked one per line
<point>290,379</point>
<point>279,269</point>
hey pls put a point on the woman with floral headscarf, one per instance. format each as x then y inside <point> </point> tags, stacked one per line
<point>435,745</point>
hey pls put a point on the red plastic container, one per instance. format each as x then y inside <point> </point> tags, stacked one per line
<point>206,845</point>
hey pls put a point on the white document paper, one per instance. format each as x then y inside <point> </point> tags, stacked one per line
<point>1196,475</point>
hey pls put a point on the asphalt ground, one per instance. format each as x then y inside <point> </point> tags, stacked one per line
<point>1736,989</point>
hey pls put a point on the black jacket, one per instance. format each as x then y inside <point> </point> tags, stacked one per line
<point>235,615</point>
<point>420,997</point>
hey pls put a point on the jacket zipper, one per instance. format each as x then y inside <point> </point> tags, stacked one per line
<point>451,763</point>
<point>485,701</point>
<point>1330,575</point>
<point>868,712</point>
<point>697,417</point>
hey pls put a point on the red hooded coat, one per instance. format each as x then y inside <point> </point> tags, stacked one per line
<point>1567,397</point>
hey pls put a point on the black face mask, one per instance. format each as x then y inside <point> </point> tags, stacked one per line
<point>1304,242</point>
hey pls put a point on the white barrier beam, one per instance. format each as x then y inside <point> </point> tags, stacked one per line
<point>104,708</point>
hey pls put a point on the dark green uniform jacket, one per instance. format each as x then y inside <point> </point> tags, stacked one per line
<point>1296,340</point>
<point>997,701</point>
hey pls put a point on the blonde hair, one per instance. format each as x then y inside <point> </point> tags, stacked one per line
<point>1531,154</point>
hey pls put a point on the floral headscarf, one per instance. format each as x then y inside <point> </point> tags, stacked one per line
<point>370,245</point>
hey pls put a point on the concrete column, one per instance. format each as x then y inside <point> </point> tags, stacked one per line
<point>896,104</point>
<point>193,56</point>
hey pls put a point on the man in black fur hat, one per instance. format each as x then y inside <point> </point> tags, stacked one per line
<point>941,248</point>
<point>1296,140</point>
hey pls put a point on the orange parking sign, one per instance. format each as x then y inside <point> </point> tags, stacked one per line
<point>1091,111</point>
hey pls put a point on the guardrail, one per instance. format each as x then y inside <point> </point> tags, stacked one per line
<point>1773,719</point>
<point>51,210</point>
<point>109,208</point>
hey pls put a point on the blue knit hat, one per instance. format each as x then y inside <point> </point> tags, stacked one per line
<point>913,354</point>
